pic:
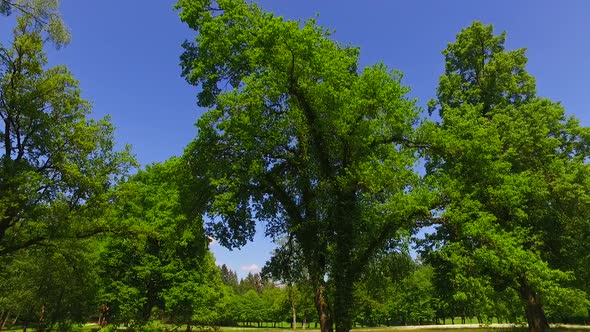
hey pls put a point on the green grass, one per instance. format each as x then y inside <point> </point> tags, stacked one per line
<point>283,327</point>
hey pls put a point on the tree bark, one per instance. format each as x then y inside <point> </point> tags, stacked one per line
<point>535,314</point>
<point>5,316</point>
<point>344,273</point>
<point>41,323</point>
<point>321,304</point>
<point>103,316</point>
<point>294,311</point>
<point>343,302</point>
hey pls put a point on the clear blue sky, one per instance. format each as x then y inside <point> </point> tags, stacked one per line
<point>125,54</point>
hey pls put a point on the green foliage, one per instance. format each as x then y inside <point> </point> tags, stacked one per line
<point>54,286</point>
<point>299,138</point>
<point>162,264</point>
<point>502,159</point>
<point>229,277</point>
<point>321,152</point>
<point>57,165</point>
<point>276,304</point>
<point>57,171</point>
<point>396,290</point>
<point>45,16</point>
<point>197,296</point>
<point>563,304</point>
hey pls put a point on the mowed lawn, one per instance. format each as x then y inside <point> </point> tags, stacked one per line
<point>284,327</point>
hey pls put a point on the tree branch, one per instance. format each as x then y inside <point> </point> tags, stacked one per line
<point>387,229</point>
<point>26,10</point>
<point>43,241</point>
<point>316,136</point>
<point>401,140</point>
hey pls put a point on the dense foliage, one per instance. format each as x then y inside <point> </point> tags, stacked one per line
<point>513,176</point>
<point>321,152</point>
<point>304,141</point>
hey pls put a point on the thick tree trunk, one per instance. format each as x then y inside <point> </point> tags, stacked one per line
<point>535,314</point>
<point>343,303</point>
<point>344,273</point>
<point>321,304</point>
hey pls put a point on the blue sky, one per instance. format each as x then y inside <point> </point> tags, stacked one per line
<point>125,54</point>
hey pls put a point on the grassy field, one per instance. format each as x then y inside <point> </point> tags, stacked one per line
<point>422,328</point>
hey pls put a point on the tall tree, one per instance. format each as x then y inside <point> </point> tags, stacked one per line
<point>299,138</point>
<point>508,162</point>
<point>161,264</point>
<point>57,168</point>
<point>56,164</point>
<point>229,277</point>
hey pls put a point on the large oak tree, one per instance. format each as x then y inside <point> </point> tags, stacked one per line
<point>300,139</point>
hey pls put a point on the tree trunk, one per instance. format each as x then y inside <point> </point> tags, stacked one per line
<point>294,311</point>
<point>344,272</point>
<point>343,302</point>
<point>5,316</point>
<point>41,324</point>
<point>321,304</point>
<point>535,315</point>
<point>103,316</point>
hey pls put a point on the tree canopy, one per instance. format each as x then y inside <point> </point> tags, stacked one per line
<point>44,15</point>
<point>513,176</point>
<point>301,139</point>
<point>334,162</point>
<point>58,167</point>
<point>57,164</point>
